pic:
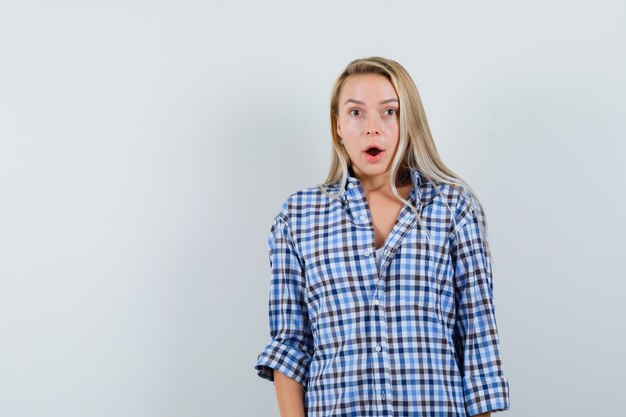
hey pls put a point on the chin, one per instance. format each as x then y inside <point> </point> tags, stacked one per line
<point>371,171</point>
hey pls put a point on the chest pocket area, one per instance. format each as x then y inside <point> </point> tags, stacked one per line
<point>420,273</point>
<point>335,290</point>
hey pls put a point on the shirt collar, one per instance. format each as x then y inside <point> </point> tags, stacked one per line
<point>423,191</point>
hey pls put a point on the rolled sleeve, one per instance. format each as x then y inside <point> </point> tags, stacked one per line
<point>476,336</point>
<point>291,346</point>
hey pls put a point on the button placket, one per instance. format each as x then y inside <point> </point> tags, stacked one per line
<point>361,217</point>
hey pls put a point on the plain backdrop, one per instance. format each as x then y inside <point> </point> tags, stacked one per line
<point>145,147</point>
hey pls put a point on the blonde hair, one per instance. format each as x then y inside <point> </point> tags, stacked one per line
<point>416,147</point>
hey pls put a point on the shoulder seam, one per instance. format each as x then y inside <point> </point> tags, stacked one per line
<point>283,216</point>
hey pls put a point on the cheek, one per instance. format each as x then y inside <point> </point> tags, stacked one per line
<point>392,130</point>
<point>352,148</point>
<point>391,125</point>
<point>352,124</point>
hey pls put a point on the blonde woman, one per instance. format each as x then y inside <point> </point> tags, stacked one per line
<point>381,294</point>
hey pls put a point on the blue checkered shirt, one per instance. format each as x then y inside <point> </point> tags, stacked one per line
<point>415,335</point>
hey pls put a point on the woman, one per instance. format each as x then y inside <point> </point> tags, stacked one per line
<point>381,297</point>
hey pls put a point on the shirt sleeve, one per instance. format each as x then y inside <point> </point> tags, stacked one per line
<point>290,348</point>
<point>485,387</point>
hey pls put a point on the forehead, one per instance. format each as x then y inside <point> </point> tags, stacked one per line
<point>364,86</point>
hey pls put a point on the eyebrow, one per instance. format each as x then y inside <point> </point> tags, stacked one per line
<point>390,100</point>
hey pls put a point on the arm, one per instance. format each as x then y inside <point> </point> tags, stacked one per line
<point>476,336</point>
<point>290,395</point>
<point>286,358</point>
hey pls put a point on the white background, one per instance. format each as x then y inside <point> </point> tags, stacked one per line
<point>145,147</point>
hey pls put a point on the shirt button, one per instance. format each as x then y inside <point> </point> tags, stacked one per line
<point>387,253</point>
<point>378,348</point>
<point>382,394</point>
<point>367,252</point>
<point>376,301</point>
<point>350,185</point>
<point>363,218</point>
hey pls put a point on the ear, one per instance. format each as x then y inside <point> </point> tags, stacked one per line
<point>338,128</point>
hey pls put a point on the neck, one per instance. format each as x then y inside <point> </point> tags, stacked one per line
<point>379,182</point>
<point>375,182</point>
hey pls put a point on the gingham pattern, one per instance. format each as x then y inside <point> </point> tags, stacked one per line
<point>413,336</point>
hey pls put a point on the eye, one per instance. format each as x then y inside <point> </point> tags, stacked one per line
<point>355,112</point>
<point>391,112</point>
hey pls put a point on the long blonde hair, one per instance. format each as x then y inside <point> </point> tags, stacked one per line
<point>416,148</point>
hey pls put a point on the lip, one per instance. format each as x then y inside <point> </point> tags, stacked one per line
<point>371,158</point>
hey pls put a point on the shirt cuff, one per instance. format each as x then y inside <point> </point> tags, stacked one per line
<point>288,360</point>
<point>483,394</point>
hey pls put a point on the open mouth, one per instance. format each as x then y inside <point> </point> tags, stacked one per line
<point>373,151</point>
<point>373,154</point>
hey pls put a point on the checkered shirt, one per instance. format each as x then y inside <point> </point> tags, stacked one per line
<point>415,335</point>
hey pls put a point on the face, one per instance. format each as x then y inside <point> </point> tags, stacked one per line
<point>368,123</point>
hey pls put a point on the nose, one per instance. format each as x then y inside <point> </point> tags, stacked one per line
<point>372,126</point>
